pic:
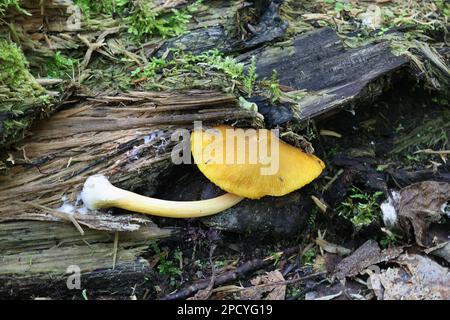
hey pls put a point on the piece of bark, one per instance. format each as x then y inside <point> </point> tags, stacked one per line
<point>332,76</point>
<point>365,256</point>
<point>53,15</point>
<point>37,257</point>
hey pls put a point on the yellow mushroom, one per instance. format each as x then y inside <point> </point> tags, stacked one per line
<point>245,178</point>
<point>238,174</point>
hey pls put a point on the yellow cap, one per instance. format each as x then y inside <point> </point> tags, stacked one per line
<point>233,159</point>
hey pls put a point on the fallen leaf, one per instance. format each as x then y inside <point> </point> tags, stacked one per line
<point>261,286</point>
<point>421,205</point>
<point>332,248</point>
<point>367,255</point>
<point>417,278</point>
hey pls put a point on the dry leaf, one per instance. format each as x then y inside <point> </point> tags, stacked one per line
<point>417,278</point>
<point>261,286</point>
<point>421,205</point>
<point>365,256</point>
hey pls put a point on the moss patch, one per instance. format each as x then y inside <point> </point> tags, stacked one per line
<point>22,98</point>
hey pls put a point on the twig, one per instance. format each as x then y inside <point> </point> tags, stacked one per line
<point>48,82</point>
<point>328,185</point>
<point>430,151</point>
<point>55,213</point>
<point>239,272</point>
<point>283,283</point>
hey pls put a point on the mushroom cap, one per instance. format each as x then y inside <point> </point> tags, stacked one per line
<point>244,176</point>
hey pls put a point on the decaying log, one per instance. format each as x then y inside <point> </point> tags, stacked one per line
<point>38,257</point>
<point>127,138</point>
<point>332,76</point>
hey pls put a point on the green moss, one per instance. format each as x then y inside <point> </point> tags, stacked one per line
<point>444,7</point>
<point>20,95</point>
<point>184,71</point>
<point>91,8</point>
<point>361,208</point>
<point>61,66</point>
<point>169,265</point>
<point>249,79</point>
<point>390,239</point>
<point>14,65</point>
<point>150,71</point>
<point>105,77</point>
<point>144,21</point>
<point>273,87</point>
<point>6,4</point>
<point>142,18</point>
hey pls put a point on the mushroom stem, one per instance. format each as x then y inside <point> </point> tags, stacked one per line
<point>99,193</point>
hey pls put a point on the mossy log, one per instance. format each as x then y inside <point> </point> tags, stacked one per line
<point>22,98</point>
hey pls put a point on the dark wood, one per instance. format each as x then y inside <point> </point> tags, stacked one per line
<point>332,76</point>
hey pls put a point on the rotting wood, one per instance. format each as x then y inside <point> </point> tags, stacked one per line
<point>34,263</point>
<point>54,15</point>
<point>332,76</point>
<point>104,135</point>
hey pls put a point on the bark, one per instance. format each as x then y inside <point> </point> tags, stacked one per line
<point>37,256</point>
<point>332,76</point>
<point>53,15</point>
